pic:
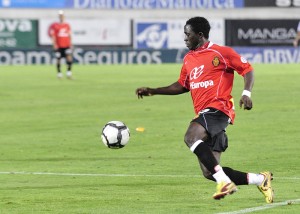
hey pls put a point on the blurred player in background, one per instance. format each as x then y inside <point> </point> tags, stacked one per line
<point>207,73</point>
<point>297,38</point>
<point>60,33</point>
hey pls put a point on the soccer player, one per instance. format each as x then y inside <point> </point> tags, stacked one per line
<point>297,38</point>
<point>60,33</point>
<point>207,73</point>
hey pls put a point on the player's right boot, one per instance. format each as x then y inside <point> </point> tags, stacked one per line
<point>224,189</point>
<point>265,188</point>
<point>59,75</point>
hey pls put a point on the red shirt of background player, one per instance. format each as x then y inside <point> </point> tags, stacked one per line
<point>62,34</point>
<point>51,29</point>
<point>201,71</point>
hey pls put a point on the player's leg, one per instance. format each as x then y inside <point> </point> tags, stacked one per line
<point>58,64</point>
<point>206,173</point>
<point>239,178</point>
<point>218,144</point>
<point>194,138</point>
<point>69,61</point>
<point>261,180</point>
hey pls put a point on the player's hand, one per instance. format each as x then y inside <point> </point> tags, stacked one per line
<point>295,43</point>
<point>140,92</point>
<point>246,101</point>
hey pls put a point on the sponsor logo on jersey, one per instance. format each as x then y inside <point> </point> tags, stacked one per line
<point>203,84</point>
<point>63,32</point>
<point>196,72</point>
<point>216,61</point>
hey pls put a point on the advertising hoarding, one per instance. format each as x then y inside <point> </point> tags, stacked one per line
<point>256,32</point>
<point>267,55</point>
<point>158,4</point>
<point>272,3</point>
<point>270,55</point>
<point>18,33</point>
<point>169,34</point>
<point>93,56</point>
<point>124,4</point>
<point>34,3</point>
<point>92,31</point>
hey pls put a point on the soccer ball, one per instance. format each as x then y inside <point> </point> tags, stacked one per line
<point>115,134</point>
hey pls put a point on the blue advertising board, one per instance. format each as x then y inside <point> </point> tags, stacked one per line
<point>35,3</point>
<point>158,4</point>
<point>169,33</point>
<point>151,35</point>
<point>124,4</point>
<point>270,55</point>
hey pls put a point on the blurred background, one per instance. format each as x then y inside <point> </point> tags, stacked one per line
<point>147,31</point>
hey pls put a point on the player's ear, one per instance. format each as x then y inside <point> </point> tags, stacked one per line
<point>201,34</point>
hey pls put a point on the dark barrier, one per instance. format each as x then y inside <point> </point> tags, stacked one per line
<point>272,3</point>
<point>95,56</point>
<point>86,57</point>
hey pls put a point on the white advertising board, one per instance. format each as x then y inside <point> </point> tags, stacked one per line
<point>91,31</point>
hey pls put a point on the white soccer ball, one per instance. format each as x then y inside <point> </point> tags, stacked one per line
<point>115,134</point>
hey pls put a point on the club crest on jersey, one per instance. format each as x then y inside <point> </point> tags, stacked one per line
<point>216,61</point>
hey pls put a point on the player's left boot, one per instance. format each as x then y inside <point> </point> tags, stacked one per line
<point>224,189</point>
<point>265,188</point>
<point>69,74</point>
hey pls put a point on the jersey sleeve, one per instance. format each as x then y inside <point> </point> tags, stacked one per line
<point>51,30</point>
<point>183,78</point>
<point>237,62</point>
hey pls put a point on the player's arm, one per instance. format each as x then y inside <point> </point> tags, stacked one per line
<point>296,40</point>
<point>246,95</point>
<point>173,89</point>
<point>70,36</point>
<point>54,45</point>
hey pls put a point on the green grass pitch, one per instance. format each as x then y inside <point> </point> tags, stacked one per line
<point>53,161</point>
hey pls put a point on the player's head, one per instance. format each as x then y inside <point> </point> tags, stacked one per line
<point>61,15</point>
<point>196,32</point>
<point>199,25</point>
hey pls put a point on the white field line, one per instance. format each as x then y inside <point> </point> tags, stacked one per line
<point>119,175</point>
<point>96,175</point>
<point>264,207</point>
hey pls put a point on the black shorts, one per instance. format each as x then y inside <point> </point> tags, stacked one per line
<point>215,123</point>
<point>62,52</point>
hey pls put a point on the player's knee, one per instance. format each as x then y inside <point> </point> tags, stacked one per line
<point>188,140</point>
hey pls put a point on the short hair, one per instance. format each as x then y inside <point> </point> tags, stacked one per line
<point>199,24</point>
